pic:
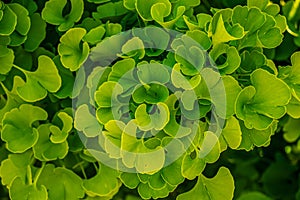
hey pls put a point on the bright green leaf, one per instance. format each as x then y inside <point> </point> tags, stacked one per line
<point>44,149</point>
<point>45,78</point>
<point>53,13</point>
<point>258,106</point>
<point>72,51</point>
<point>106,178</point>
<point>220,187</point>
<point>61,183</point>
<point>21,191</point>
<point>18,130</point>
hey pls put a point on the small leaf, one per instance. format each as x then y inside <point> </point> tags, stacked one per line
<point>112,137</point>
<point>200,37</point>
<point>173,128</point>
<point>152,94</point>
<point>189,54</point>
<point>106,177</point>
<point>45,78</point>
<point>231,134</point>
<point>153,73</point>
<point>232,90</point>
<point>7,58</point>
<point>258,105</point>
<point>61,183</point>
<point>21,191</point>
<point>109,10</point>
<point>160,10</point>
<point>157,118</point>
<point>36,34</point>
<point>120,70</point>
<point>53,13</point>
<point>226,58</point>
<point>291,130</point>
<point>23,20</point>
<point>220,187</point>
<point>95,35</point>
<point>291,75</point>
<point>133,48</point>
<point>19,122</point>
<point>30,5</point>
<point>8,21</point>
<point>261,4</point>
<point>144,8</point>
<point>86,122</point>
<point>15,166</point>
<point>13,100</point>
<point>73,53</point>
<point>135,154</point>
<point>253,137</point>
<point>109,105</point>
<point>44,149</point>
<point>155,40</point>
<point>293,108</point>
<point>130,180</point>
<point>192,166</point>
<point>222,33</point>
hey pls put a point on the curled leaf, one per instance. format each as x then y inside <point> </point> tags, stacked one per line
<point>72,51</point>
<point>53,13</point>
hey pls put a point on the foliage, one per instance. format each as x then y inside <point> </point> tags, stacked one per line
<point>207,106</point>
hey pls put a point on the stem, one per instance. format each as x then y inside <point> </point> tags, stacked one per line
<point>4,88</point>
<point>38,173</point>
<point>29,174</point>
<point>96,167</point>
<point>19,68</point>
<point>81,167</point>
<point>244,80</point>
<point>243,75</point>
<point>294,9</point>
<point>83,172</point>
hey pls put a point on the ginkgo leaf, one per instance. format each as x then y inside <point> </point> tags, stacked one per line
<point>257,106</point>
<point>19,121</point>
<point>38,83</point>
<point>15,166</point>
<point>45,149</point>
<point>253,137</point>
<point>36,33</point>
<point>105,177</point>
<point>7,59</point>
<point>290,75</point>
<point>8,21</point>
<point>222,33</point>
<point>220,187</point>
<point>53,13</point>
<point>13,100</point>
<point>231,135</point>
<point>144,9</point>
<point>73,52</point>
<point>86,122</point>
<point>61,183</point>
<point>157,118</point>
<point>21,191</point>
